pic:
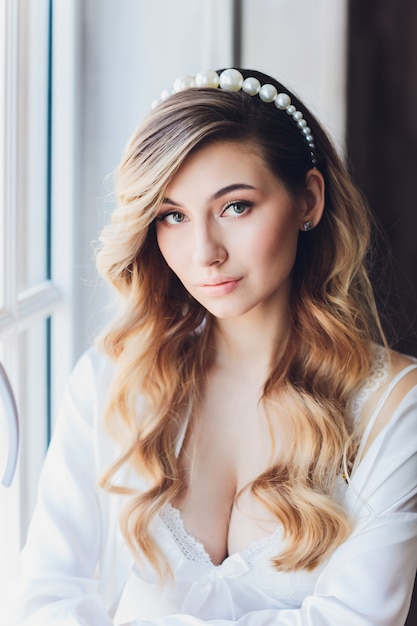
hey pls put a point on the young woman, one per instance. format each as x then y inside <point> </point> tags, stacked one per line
<point>240,445</point>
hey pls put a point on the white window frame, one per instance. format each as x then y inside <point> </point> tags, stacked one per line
<point>50,298</point>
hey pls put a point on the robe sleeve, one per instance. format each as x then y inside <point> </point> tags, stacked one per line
<point>58,585</point>
<point>368,580</point>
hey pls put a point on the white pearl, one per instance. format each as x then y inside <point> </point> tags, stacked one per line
<point>282,101</point>
<point>207,78</point>
<point>165,94</point>
<point>268,93</point>
<point>185,82</point>
<point>231,80</point>
<point>251,86</point>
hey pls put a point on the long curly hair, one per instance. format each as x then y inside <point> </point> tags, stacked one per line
<point>161,336</point>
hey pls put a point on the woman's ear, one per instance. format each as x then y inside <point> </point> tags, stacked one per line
<point>312,204</point>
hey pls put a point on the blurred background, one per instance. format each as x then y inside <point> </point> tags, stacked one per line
<point>76,77</point>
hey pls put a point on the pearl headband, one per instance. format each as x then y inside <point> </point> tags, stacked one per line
<point>232,80</point>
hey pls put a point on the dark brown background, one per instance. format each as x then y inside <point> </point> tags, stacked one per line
<point>382,148</point>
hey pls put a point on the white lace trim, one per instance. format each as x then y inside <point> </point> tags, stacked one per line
<point>271,545</point>
<point>195,551</point>
<point>189,546</point>
<point>288,588</point>
<point>376,378</point>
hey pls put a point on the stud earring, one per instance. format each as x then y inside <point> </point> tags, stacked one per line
<point>307,225</point>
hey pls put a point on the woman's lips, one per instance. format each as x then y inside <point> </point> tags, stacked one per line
<point>219,286</point>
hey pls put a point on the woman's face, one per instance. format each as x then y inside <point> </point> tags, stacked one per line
<point>228,229</point>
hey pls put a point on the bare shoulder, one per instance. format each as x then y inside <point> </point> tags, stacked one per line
<point>399,364</point>
<point>401,379</point>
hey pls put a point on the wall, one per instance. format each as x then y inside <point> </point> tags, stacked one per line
<point>303,44</point>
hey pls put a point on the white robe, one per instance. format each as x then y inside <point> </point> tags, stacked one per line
<point>76,568</point>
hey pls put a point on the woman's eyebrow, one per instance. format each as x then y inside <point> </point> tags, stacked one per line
<point>169,201</point>
<point>228,189</point>
<point>218,194</point>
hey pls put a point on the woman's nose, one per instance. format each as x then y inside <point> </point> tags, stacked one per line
<point>208,246</point>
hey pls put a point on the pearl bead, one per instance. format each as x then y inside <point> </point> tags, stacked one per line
<point>208,78</point>
<point>165,94</point>
<point>185,82</point>
<point>231,80</point>
<point>268,93</point>
<point>251,86</point>
<point>282,101</point>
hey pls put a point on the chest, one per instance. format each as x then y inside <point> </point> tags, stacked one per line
<point>229,447</point>
<point>232,443</point>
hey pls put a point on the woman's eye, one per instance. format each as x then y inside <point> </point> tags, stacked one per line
<point>173,217</point>
<point>234,209</point>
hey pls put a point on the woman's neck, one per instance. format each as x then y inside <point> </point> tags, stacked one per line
<point>244,343</point>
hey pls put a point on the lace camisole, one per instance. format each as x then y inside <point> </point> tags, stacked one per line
<point>244,581</point>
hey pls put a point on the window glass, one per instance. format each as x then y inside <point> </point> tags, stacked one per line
<point>36,252</point>
<point>3,428</point>
<point>31,391</point>
<point>2,151</point>
<point>32,141</point>
<point>33,405</point>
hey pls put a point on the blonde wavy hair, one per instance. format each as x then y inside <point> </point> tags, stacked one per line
<point>160,337</point>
